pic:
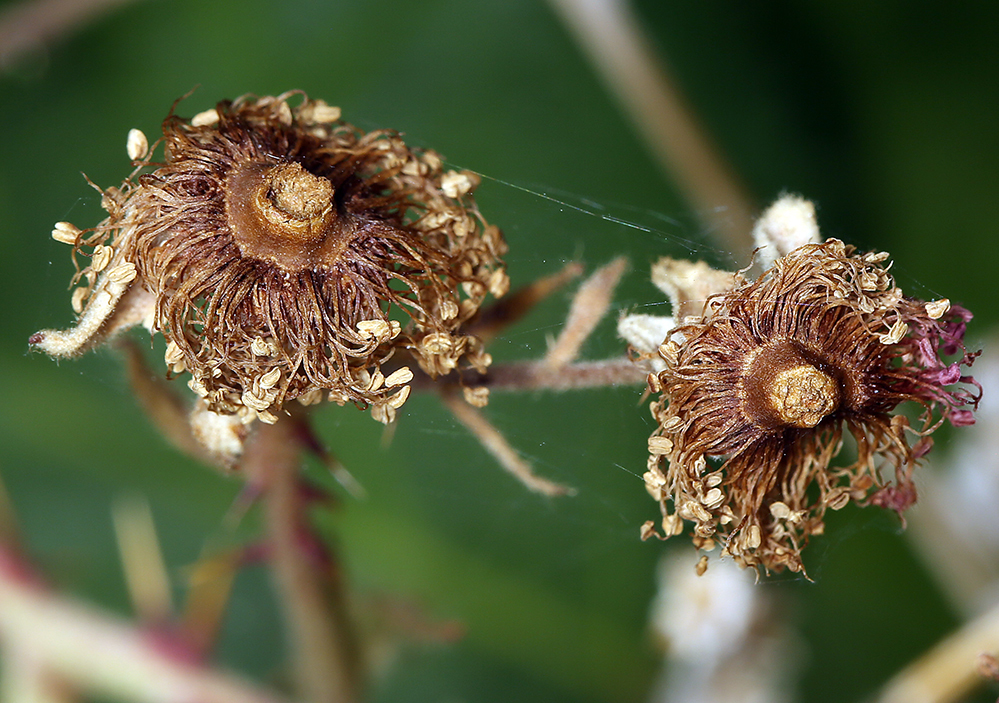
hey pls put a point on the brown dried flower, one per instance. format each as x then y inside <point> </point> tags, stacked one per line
<point>756,391</point>
<point>284,254</point>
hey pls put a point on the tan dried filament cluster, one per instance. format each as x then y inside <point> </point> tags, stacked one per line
<point>757,389</point>
<point>284,254</point>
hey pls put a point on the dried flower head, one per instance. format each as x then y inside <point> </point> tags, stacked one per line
<point>284,254</point>
<point>756,391</point>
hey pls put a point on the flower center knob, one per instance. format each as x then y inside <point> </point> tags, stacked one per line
<point>282,214</point>
<point>783,385</point>
<point>292,198</point>
<point>803,395</point>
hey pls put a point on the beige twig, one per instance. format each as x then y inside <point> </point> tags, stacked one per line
<point>322,652</point>
<point>589,306</point>
<point>950,670</point>
<point>100,654</point>
<point>539,375</point>
<point>623,55</point>
<point>142,560</point>
<point>496,444</point>
<point>209,586</point>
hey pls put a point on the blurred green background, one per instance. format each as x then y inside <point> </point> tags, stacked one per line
<point>884,113</point>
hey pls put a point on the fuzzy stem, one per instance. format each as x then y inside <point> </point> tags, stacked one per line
<point>321,651</point>
<point>540,375</point>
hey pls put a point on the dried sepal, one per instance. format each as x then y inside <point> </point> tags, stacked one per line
<point>756,393</point>
<point>223,437</point>
<point>689,284</point>
<point>644,334</point>
<point>287,255</point>
<point>786,225</point>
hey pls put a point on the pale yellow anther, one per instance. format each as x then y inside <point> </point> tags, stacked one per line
<point>455,184</point>
<point>371,329</point>
<point>669,352</point>
<point>779,510</point>
<point>271,378</point>
<point>691,510</point>
<point>936,309</point>
<point>65,232</point>
<point>397,400</point>
<point>205,119</point>
<point>672,423</point>
<point>319,112</point>
<point>311,398</point>
<point>672,525</point>
<point>437,343</point>
<point>378,329</point>
<point>838,498</point>
<point>399,377</point>
<point>122,273</point>
<point>173,354</point>
<point>76,300</point>
<point>660,445</point>
<point>713,498</point>
<point>266,417</point>
<point>449,310</point>
<point>477,397</point>
<point>136,145</point>
<point>198,387</point>
<point>654,479</point>
<point>895,334</point>
<point>876,257</point>
<point>101,257</point>
<point>499,284</point>
<point>377,379</point>
<point>284,113</point>
<point>338,396</point>
<point>252,400</point>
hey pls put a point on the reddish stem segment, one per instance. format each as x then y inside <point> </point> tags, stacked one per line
<point>323,653</point>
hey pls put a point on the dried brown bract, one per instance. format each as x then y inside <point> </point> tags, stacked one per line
<point>284,254</point>
<point>757,389</point>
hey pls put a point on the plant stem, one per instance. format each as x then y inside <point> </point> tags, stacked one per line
<point>93,652</point>
<point>948,672</point>
<point>540,375</point>
<point>624,56</point>
<point>320,648</point>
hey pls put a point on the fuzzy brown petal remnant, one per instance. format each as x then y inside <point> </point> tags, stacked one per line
<point>758,389</point>
<point>284,254</point>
